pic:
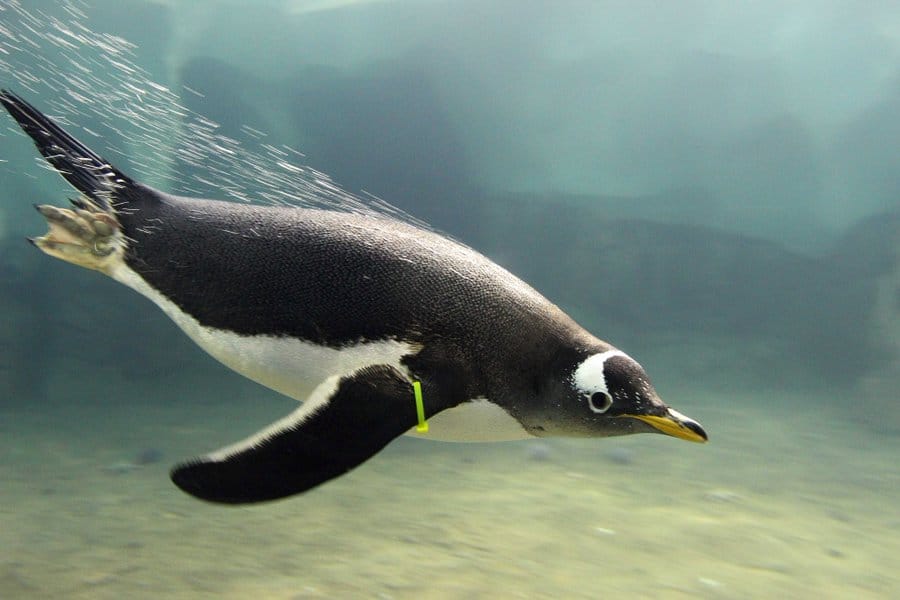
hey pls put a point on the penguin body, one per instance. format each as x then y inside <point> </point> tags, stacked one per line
<point>347,313</point>
<point>282,305</point>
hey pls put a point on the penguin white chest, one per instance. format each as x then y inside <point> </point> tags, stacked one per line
<point>477,421</point>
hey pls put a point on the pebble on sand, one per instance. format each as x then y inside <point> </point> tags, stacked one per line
<point>539,452</point>
<point>620,455</point>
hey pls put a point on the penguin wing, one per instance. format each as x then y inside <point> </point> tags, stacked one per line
<point>345,421</point>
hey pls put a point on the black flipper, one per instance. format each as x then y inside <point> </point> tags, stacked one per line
<point>345,422</point>
<point>89,173</point>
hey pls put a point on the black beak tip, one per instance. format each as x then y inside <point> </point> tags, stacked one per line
<point>696,428</point>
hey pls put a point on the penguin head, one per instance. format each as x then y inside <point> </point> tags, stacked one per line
<point>614,396</point>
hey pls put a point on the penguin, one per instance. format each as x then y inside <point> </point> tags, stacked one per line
<point>377,326</point>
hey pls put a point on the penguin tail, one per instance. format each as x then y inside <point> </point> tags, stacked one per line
<point>85,170</point>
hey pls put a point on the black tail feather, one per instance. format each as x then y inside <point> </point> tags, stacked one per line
<point>79,165</point>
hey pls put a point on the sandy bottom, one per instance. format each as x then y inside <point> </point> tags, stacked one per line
<point>788,500</point>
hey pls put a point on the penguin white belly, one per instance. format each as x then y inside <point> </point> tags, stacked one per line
<point>287,365</point>
<point>476,421</point>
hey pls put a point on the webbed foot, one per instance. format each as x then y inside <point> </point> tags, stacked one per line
<point>84,235</point>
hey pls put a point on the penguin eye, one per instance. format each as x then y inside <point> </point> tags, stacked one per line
<point>600,402</point>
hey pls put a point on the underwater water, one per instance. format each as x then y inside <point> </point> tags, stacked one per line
<point>712,187</point>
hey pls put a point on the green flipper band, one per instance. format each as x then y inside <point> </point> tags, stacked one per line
<point>422,427</point>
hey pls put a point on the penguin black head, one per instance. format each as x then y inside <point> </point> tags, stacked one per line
<point>615,396</point>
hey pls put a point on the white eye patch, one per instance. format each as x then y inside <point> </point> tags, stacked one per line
<point>590,381</point>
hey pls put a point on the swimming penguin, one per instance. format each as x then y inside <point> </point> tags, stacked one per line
<point>378,327</point>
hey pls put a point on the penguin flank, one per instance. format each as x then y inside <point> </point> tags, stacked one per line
<point>342,312</point>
